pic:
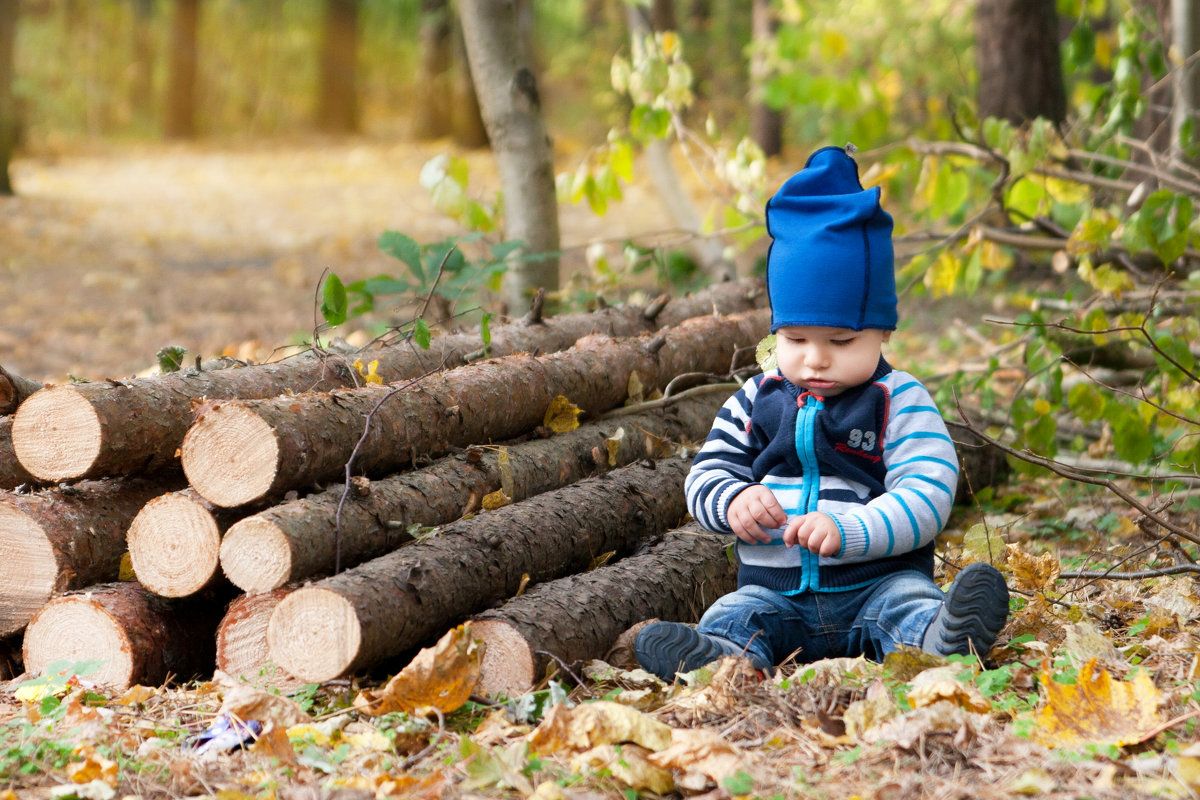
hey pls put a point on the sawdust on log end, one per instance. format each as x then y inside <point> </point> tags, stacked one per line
<point>314,634</point>
<point>230,455</point>
<point>74,629</point>
<point>28,568</point>
<point>508,662</point>
<point>174,545</point>
<point>57,434</point>
<point>256,555</point>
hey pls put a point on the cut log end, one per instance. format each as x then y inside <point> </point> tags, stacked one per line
<point>314,634</point>
<point>508,661</point>
<point>28,569</point>
<point>256,556</point>
<point>56,434</point>
<point>230,456</point>
<point>174,545</point>
<point>74,629</point>
<point>242,641</point>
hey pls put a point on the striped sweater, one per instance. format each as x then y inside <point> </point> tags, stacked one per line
<point>876,458</point>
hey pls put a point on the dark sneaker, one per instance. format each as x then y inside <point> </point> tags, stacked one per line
<point>665,648</point>
<point>975,610</point>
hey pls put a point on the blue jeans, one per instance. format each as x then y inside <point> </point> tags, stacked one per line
<point>770,627</point>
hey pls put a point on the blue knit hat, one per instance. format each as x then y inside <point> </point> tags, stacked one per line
<point>831,260</point>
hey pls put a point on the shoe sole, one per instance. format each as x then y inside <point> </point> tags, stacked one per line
<point>664,648</point>
<point>975,611</point>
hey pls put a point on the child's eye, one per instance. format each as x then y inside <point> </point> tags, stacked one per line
<point>842,342</point>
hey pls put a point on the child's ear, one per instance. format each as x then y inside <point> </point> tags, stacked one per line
<point>887,336</point>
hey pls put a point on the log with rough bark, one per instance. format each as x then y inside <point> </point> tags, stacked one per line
<point>65,538</point>
<point>579,617</point>
<point>392,604</point>
<point>13,390</point>
<point>175,543</point>
<point>111,428</point>
<point>242,641</point>
<point>299,539</point>
<point>12,474</point>
<point>246,451</point>
<point>980,464</point>
<point>136,636</point>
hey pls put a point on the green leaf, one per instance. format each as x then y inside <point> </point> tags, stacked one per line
<point>485,330</point>
<point>333,300</point>
<point>1086,401</point>
<point>1131,435</point>
<point>170,358</point>
<point>405,248</point>
<point>421,334</point>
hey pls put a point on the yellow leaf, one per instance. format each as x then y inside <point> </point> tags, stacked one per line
<point>125,571</point>
<point>603,722</point>
<point>948,690</point>
<point>1031,573</point>
<point>562,416</point>
<point>135,696</point>
<point>369,373</point>
<point>1098,709</point>
<point>635,392</point>
<point>441,677</point>
<point>506,474</point>
<point>627,764</point>
<point>764,353</point>
<point>984,542</point>
<point>613,443</point>
<point>494,500</point>
<point>93,767</point>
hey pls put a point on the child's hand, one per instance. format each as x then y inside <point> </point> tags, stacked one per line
<point>751,510</point>
<point>815,532</point>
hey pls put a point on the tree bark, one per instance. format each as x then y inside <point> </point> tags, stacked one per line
<point>299,539</point>
<point>175,543</point>
<point>981,464</point>
<point>138,637</point>
<point>111,428</point>
<point>766,123</point>
<point>13,390</point>
<point>180,121</point>
<point>1020,72</point>
<point>246,451</point>
<point>8,100</point>
<point>242,641</point>
<point>64,538</point>
<point>432,114</point>
<point>1185,40</point>
<point>579,617</point>
<point>508,98</point>
<point>12,474</point>
<point>337,97</point>
<point>388,606</point>
<point>466,117</point>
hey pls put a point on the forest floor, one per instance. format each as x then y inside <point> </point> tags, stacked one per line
<point>109,254</point>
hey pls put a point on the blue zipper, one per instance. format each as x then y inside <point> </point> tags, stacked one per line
<point>807,406</point>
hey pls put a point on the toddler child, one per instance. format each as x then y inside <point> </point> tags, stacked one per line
<point>834,471</point>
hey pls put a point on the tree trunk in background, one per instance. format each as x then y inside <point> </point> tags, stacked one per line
<point>1020,73</point>
<point>466,120</point>
<point>432,116</point>
<point>337,97</point>
<point>141,66</point>
<point>766,123</point>
<point>1185,39</point>
<point>508,97</point>
<point>8,104</point>
<point>180,121</point>
<point>662,15</point>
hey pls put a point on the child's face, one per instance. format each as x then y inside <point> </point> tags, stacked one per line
<point>828,361</point>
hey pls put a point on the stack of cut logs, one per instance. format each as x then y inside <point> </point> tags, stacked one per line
<point>290,522</point>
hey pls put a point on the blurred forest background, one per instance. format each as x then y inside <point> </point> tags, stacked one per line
<point>1039,157</point>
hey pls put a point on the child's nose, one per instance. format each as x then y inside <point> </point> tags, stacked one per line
<point>816,357</point>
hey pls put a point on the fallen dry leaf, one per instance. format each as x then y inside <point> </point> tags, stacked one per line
<point>441,677</point>
<point>562,416</point>
<point>698,750</point>
<point>603,722</point>
<point>1035,574</point>
<point>629,764</point>
<point>1098,709</point>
